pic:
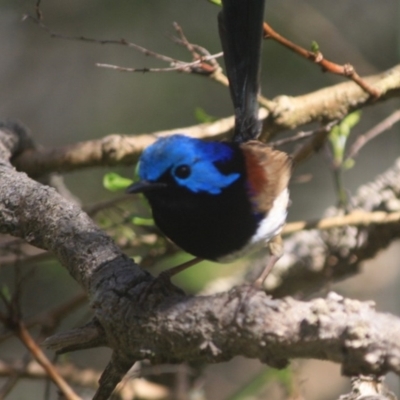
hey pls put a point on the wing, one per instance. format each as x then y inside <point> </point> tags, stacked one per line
<point>268,173</point>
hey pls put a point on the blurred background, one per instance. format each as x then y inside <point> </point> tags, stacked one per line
<point>54,87</point>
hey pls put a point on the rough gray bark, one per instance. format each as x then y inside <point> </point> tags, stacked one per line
<point>168,326</point>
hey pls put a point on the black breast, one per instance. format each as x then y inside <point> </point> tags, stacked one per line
<point>205,225</point>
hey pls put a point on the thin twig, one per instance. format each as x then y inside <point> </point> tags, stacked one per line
<point>179,66</point>
<point>357,218</point>
<point>39,14</point>
<point>183,40</point>
<point>23,334</point>
<point>317,57</point>
<point>383,126</point>
<point>121,42</point>
<point>198,52</point>
<point>176,65</point>
<point>313,144</point>
<point>298,136</point>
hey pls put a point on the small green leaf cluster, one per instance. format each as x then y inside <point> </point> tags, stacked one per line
<point>338,139</point>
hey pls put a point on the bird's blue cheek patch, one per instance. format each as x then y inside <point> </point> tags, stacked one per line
<point>205,177</point>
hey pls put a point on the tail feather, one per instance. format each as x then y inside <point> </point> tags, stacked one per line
<point>240,29</point>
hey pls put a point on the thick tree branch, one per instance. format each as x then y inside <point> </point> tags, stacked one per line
<point>172,327</point>
<point>328,104</point>
<point>111,150</point>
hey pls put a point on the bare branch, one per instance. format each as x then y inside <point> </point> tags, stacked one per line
<point>178,66</point>
<point>121,42</point>
<point>111,150</point>
<point>200,65</point>
<point>23,334</point>
<point>330,103</point>
<point>356,218</point>
<point>380,128</point>
<point>313,144</point>
<point>317,57</point>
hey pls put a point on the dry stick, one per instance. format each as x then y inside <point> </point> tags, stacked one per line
<point>39,14</point>
<point>298,136</point>
<point>383,126</point>
<point>180,66</point>
<point>214,70</point>
<point>313,144</point>
<point>198,52</point>
<point>23,334</point>
<point>184,42</point>
<point>358,218</point>
<point>206,63</point>
<point>177,65</point>
<point>121,42</point>
<point>317,57</point>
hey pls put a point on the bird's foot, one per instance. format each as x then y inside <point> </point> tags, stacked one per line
<point>162,285</point>
<point>246,291</point>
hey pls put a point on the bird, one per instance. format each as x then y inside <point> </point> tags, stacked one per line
<point>220,200</point>
<point>215,200</point>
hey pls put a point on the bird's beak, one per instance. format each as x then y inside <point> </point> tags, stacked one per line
<point>144,186</point>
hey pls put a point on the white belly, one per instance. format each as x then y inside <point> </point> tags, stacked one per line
<point>269,227</point>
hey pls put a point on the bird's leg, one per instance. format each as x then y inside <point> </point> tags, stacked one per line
<point>163,280</point>
<point>169,273</point>
<point>275,247</point>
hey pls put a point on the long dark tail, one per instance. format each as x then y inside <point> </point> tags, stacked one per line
<point>240,29</point>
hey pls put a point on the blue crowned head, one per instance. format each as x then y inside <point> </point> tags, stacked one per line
<point>192,163</point>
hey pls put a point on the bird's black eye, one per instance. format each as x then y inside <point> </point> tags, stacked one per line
<point>182,171</point>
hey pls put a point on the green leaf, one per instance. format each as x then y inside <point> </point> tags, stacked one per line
<point>142,221</point>
<point>351,120</point>
<point>201,116</point>
<point>5,291</point>
<point>340,133</point>
<point>217,2</point>
<point>113,182</point>
<point>349,163</point>
<point>314,47</point>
